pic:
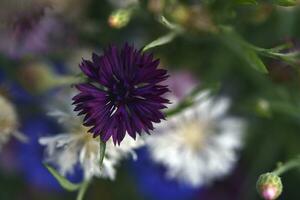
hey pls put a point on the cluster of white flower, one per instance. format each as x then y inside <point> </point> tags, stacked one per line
<point>197,146</point>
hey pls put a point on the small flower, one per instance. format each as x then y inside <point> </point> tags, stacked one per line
<point>269,186</point>
<point>67,149</point>
<point>8,122</point>
<point>123,94</point>
<point>199,144</point>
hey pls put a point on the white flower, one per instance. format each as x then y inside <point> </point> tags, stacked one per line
<point>8,122</point>
<point>199,144</point>
<point>78,146</point>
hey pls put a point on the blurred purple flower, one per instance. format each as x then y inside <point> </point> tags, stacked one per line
<point>123,94</point>
<point>36,40</point>
<point>181,83</point>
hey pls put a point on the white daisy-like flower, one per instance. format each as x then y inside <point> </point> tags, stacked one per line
<point>8,122</point>
<point>65,150</point>
<point>199,144</point>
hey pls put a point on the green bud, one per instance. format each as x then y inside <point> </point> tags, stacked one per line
<point>262,108</point>
<point>269,186</point>
<point>119,18</point>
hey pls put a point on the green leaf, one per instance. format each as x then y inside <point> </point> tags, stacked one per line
<point>161,41</point>
<point>243,49</point>
<point>285,2</point>
<point>66,184</point>
<point>254,60</point>
<point>167,23</point>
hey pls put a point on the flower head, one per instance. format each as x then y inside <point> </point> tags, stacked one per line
<point>74,146</point>
<point>123,94</point>
<point>199,144</point>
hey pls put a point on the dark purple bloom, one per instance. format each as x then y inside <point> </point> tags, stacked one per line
<point>123,94</point>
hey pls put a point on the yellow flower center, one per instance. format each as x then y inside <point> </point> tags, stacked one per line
<point>194,134</point>
<point>8,118</point>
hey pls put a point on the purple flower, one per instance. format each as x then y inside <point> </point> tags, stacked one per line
<point>123,94</point>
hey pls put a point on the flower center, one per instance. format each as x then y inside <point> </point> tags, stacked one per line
<point>120,93</point>
<point>194,134</point>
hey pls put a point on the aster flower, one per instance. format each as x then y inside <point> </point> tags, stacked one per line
<point>123,94</point>
<point>8,122</point>
<point>199,144</point>
<point>65,150</point>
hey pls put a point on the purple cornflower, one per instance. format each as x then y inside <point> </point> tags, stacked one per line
<point>123,94</point>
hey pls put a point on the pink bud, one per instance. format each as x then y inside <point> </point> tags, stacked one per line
<point>269,193</point>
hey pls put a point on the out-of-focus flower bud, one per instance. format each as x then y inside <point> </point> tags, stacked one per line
<point>262,12</point>
<point>195,18</point>
<point>39,77</point>
<point>156,6</point>
<point>181,14</point>
<point>36,77</point>
<point>262,107</point>
<point>269,186</point>
<point>120,18</point>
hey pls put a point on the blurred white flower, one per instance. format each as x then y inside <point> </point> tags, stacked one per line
<point>8,122</point>
<point>199,144</point>
<point>78,146</point>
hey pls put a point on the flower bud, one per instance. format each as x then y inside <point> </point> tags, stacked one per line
<point>38,77</point>
<point>262,108</point>
<point>119,18</point>
<point>269,186</point>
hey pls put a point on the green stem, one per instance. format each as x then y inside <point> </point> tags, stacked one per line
<point>189,100</point>
<point>82,190</point>
<point>287,166</point>
<point>102,152</point>
<point>68,80</point>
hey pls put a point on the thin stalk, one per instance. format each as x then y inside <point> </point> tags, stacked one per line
<point>82,190</point>
<point>287,166</point>
<point>102,152</point>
